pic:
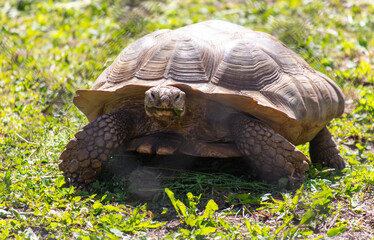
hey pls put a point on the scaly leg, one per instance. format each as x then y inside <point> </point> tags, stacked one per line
<point>323,150</point>
<point>87,153</point>
<point>272,156</point>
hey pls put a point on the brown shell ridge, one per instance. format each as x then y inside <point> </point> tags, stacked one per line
<point>302,105</point>
<point>156,65</point>
<point>338,94</point>
<point>316,102</point>
<point>315,107</point>
<point>130,60</point>
<point>289,61</point>
<point>329,98</point>
<point>279,102</point>
<point>245,67</point>
<point>186,63</point>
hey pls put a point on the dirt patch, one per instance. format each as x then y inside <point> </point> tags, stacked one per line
<point>170,226</point>
<point>359,221</point>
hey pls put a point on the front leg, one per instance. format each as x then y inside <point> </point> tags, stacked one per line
<point>270,154</point>
<point>86,154</point>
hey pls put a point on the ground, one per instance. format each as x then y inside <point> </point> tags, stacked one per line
<point>50,49</point>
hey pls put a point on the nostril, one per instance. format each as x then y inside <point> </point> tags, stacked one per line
<point>177,97</point>
<point>151,96</point>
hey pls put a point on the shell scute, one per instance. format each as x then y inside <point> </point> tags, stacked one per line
<point>246,67</point>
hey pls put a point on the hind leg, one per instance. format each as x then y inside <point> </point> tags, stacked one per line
<point>323,150</point>
<point>272,156</point>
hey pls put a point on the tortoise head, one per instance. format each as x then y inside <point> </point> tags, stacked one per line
<point>164,102</point>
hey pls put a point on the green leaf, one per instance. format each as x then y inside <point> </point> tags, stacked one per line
<point>103,197</point>
<point>60,181</point>
<point>253,229</point>
<point>15,213</point>
<point>185,232</point>
<point>286,222</point>
<point>193,201</point>
<point>181,207</point>
<point>37,212</point>
<point>308,217</point>
<point>164,210</point>
<point>335,231</point>
<point>111,208</point>
<point>190,220</point>
<point>76,199</point>
<point>210,209</point>
<point>97,205</point>
<point>296,198</point>
<point>249,227</point>
<point>177,112</point>
<point>172,200</point>
<point>206,230</point>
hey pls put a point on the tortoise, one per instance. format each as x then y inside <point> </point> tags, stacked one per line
<point>211,89</point>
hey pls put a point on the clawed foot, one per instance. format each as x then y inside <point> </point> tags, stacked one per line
<point>87,153</point>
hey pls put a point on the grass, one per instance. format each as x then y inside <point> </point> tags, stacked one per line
<point>49,49</point>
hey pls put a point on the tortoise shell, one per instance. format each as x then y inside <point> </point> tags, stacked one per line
<point>250,71</point>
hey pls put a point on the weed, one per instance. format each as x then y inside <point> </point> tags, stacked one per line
<point>50,49</point>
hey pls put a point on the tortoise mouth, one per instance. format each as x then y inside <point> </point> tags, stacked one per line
<point>159,112</point>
